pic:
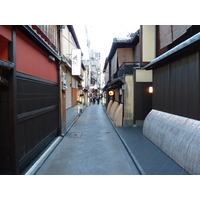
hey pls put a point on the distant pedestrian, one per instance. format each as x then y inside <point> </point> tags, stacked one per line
<point>91,100</point>
<point>94,99</point>
<point>98,98</point>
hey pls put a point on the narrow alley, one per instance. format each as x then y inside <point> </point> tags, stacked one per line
<point>146,124</point>
<point>91,147</point>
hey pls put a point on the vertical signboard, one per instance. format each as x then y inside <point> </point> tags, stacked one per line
<point>76,62</point>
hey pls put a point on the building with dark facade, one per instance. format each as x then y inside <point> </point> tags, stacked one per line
<point>29,100</point>
<point>176,70</point>
<point>33,97</point>
<point>173,124</point>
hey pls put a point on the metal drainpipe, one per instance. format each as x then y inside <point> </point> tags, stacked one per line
<point>59,87</point>
<point>60,101</point>
<point>13,110</point>
<point>172,36</point>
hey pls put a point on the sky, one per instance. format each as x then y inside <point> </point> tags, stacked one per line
<point>101,37</point>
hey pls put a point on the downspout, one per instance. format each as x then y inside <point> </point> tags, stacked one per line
<point>59,88</point>
<point>13,109</point>
<point>172,36</point>
<point>59,101</point>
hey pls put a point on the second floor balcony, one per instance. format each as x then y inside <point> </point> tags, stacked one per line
<point>127,68</point>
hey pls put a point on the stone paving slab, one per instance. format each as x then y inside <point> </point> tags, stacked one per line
<point>91,147</point>
<point>152,160</point>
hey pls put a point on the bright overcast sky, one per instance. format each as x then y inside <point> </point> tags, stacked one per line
<point>101,37</point>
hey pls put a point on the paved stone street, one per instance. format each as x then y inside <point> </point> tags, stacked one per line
<point>91,147</point>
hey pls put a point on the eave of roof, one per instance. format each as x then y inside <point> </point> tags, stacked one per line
<point>114,81</point>
<point>125,43</point>
<point>33,33</point>
<point>122,43</point>
<point>7,64</point>
<point>71,29</point>
<point>191,41</point>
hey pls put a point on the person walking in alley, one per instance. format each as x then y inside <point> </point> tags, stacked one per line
<point>93,99</point>
<point>98,98</point>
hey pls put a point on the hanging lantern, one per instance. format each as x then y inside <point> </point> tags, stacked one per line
<point>111,92</point>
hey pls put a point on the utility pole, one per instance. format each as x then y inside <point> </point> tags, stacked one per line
<point>88,41</point>
<point>88,46</point>
<point>94,66</point>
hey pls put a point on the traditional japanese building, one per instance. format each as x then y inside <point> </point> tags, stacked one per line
<point>173,124</point>
<point>131,100</point>
<point>36,88</point>
<point>176,70</point>
<point>29,100</point>
<point>72,88</point>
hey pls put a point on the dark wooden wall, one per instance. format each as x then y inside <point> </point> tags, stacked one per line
<point>176,87</point>
<point>37,115</point>
<point>142,100</point>
<point>4,127</point>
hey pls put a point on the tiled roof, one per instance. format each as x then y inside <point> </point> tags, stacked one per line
<point>42,39</point>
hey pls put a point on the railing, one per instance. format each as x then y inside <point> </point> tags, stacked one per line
<point>127,68</point>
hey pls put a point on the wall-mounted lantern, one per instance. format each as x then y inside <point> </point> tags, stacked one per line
<point>150,89</point>
<point>111,92</point>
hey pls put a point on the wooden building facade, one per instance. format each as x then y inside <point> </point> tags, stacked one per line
<point>29,100</point>
<point>71,86</point>
<point>36,88</point>
<point>176,70</point>
<point>129,83</point>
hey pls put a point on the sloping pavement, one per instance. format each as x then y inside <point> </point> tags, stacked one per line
<point>150,159</point>
<point>91,147</point>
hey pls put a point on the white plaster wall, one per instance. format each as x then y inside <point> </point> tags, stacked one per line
<point>128,101</point>
<point>148,42</point>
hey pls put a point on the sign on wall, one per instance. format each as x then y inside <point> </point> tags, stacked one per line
<point>76,62</point>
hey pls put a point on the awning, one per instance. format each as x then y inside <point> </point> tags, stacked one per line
<point>172,52</point>
<point>115,83</point>
<point>6,64</point>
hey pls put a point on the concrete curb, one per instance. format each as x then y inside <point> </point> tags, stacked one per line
<point>133,158</point>
<point>34,168</point>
